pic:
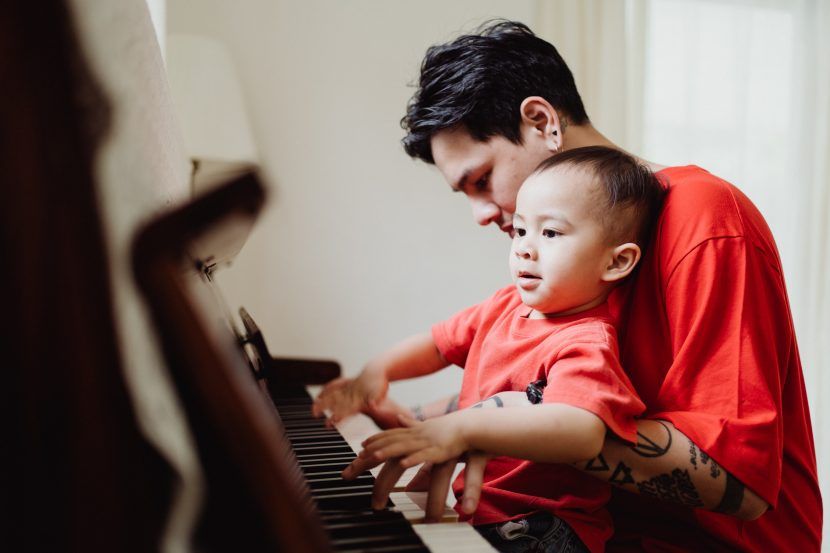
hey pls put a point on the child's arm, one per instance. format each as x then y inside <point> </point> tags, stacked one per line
<point>547,433</point>
<point>415,356</point>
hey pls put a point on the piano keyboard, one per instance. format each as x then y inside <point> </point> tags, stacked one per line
<point>345,506</point>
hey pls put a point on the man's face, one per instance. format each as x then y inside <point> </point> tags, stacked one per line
<point>488,173</point>
<point>560,249</point>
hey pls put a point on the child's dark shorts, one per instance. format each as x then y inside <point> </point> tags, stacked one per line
<point>541,532</point>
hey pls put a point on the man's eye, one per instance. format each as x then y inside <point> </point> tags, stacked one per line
<point>481,184</point>
<point>550,233</point>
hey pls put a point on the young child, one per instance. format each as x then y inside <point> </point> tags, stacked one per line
<point>581,221</point>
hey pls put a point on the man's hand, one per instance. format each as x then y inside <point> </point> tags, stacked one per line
<point>347,396</point>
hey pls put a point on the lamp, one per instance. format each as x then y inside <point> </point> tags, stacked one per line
<point>209,102</point>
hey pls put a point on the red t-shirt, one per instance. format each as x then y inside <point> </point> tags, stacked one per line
<point>501,349</point>
<point>707,338</point>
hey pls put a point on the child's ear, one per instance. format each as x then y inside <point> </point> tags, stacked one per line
<point>623,260</point>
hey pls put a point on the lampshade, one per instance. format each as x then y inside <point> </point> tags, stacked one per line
<point>210,106</point>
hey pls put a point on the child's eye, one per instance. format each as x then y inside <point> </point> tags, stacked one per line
<point>550,233</point>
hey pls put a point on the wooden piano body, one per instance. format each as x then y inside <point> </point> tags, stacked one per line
<point>272,470</point>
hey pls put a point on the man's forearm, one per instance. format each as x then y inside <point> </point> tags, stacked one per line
<point>666,465</point>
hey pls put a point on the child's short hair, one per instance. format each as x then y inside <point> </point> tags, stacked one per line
<point>632,194</point>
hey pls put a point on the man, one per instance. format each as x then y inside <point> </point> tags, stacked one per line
<point>725,457</point>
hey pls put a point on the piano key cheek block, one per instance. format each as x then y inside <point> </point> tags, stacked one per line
<point>272,471</point>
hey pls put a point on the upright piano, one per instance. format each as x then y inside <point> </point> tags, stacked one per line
<point>272,471</point>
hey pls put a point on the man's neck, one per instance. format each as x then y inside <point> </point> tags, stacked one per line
<point>580,136</point>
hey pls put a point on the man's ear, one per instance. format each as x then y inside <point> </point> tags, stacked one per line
<point>540,121</point>
<point>623,260</point>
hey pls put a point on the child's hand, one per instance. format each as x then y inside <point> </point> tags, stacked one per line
<point>346,396</point>
<point>435,441</point>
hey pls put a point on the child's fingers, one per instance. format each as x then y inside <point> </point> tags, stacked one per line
<point>418,457</point>
<point>392,433</point>
<point>387,449</point>
<point>359,466</point>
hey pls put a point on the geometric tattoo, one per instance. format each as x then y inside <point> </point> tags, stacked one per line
<point>622,475</point>
<point>646,447</point>
<point>733,496</point>
<point>676,487</point>
<point>597,464</point>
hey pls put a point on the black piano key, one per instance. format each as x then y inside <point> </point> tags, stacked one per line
<point>321,454</point>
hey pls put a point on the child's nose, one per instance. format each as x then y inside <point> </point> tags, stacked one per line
<point>525,250</point>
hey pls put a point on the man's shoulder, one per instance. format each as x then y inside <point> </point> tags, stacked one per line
<point>694,193</point>
<point>700,206</point>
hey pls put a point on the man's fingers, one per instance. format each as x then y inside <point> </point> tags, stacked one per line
<point>385,481</point>
<point>438,487</point>
<point>420,482</point>
<point>473,477</point>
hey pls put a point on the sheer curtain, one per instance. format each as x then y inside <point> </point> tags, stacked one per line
<point>742,88</point>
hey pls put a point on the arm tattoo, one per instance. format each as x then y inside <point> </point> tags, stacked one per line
<point>622,475</point>
<point>676,487</point>
<point>418,413</point>
<point>714,468</point>
<point>647,447</point>
<point>452,405</point>
<point>496,399</point>
<point>733,496</point>
<point>693,454</point>
<point>597,464</point>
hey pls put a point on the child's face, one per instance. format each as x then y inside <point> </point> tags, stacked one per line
<point>560,250</point>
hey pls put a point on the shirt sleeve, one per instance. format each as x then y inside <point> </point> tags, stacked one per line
<point>454,336</point>
<point>732,340</point>
<point>588,374</point>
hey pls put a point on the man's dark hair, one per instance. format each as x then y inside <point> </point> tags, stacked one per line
<point>630,194</point>
<point>479,81</point>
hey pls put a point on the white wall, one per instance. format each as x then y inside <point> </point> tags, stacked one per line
<point>360,245</point>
